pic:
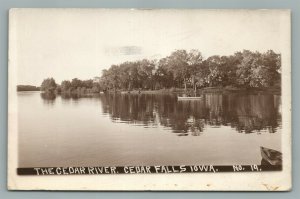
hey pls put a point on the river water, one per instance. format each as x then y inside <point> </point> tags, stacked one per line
<point>146,129</point>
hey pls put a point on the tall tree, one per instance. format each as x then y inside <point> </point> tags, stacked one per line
<point>249,62</point>
<point>164,76</point>
<point>178,63</point>
<point>65,86</point>
<point>146,71</point>
<point>216,72</point>
<point>201,74</point>
<point>76,83</point>
<point>48,85</point>
<point>194,65</point>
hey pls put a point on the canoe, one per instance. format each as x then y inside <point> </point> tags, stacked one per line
<point>189,98</point>
<point>271,156</point>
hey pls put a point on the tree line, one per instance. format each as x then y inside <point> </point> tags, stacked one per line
<point>182,69</point>
<point>74,86</point>
<point>27,88</point>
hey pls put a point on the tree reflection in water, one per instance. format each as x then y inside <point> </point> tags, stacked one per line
<point>247,113</point>
<point>48,97</point>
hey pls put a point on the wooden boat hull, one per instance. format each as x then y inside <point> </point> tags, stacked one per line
<point>271,156</point>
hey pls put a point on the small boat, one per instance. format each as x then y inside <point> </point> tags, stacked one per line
<point>271,156</point>
<point>188,98</point>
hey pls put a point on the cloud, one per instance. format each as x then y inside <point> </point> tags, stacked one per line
<point>123,50</point>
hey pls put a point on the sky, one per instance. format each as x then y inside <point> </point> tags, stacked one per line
<point>80,43</point>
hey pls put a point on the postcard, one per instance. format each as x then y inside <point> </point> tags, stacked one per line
<point>149,99</point>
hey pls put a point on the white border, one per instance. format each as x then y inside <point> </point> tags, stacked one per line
<point>265,181</point>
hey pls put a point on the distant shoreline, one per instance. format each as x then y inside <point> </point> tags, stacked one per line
<point>28,88</point>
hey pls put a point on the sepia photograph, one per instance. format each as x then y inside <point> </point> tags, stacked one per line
<point>129,99</point>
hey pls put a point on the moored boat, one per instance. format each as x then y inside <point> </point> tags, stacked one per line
<point>188,98</point>
<point>271,156</point>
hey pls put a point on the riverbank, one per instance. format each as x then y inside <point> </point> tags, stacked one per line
<point>272,90</point>
<point>176,91</point>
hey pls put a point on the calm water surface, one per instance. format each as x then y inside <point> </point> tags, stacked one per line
<point>118,130</point>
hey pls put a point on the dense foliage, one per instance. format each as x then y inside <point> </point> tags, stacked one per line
<point>79,86</point>
<point>184,69</point>
<point>74,86</point>
<point>48,85</point>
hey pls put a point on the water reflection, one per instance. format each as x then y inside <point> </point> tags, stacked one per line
<point>246,113</point>
<point>48,97</point>
<point>76,96</point>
